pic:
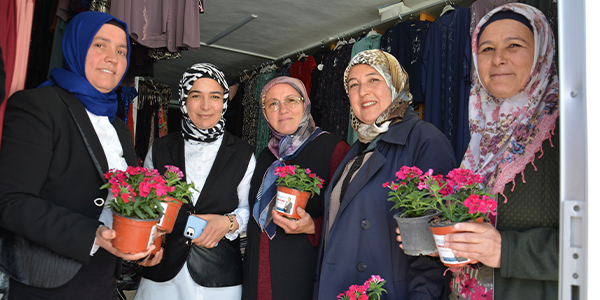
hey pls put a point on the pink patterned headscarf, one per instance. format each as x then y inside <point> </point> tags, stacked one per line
<point>506,133</point>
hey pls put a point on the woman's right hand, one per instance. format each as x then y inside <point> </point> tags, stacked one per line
<point>399,239</point>
<point>104,237</point>
<point>303,225</point>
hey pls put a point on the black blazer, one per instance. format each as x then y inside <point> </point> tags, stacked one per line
<point>52,164</point>
<point>215,267</point>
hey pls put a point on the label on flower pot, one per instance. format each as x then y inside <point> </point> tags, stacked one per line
<point>446,254</point>
<point>152,233</point>
<point>285,203</point>
<point>165,206</point>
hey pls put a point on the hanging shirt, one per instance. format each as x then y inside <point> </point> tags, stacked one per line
<point>366,43</point>
<point>446,77</point>
<point>302,70</point>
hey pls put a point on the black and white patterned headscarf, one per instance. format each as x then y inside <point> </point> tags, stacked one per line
<point>189,130</point>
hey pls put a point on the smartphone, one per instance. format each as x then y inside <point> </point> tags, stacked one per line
<point>194,227</point>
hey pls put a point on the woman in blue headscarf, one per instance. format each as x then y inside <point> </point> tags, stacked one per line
<point>58,140</point>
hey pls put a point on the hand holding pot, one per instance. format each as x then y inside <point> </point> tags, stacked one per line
<point>152,260</point>
<point>104,237</point>
<point>480,242</point>
<point>216,228</point>
<point>303,225</point>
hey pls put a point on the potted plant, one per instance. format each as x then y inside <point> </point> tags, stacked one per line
<point>459,198</point>
<point>370,290</point>
<point>455,197</point>
<point>138,195</point>
<point>294,187</point>
<point>417,208</point>
<point>175,197</point>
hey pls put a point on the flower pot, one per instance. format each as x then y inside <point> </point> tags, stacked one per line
<point>446,256</point>
<point>157,244</point>
<point>416,237</point>
<point>171,209</point>
<point>288,200</point>
<point>133,235</point>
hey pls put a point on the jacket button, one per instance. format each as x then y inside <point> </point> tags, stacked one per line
<point>361,267</point>
<point>365,224</point>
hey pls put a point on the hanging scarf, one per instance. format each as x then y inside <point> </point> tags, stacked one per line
<point>189,130</point>
<point>285,148</point>
<point>76,42</point>
<point>395,78</point>
<point>506,133</point>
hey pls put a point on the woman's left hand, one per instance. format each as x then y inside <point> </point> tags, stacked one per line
<point>303,225</point>
<point>152,260</point>
<point>216,228</point>
<point>481,242</point>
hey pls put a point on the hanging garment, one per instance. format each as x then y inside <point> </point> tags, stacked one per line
<point>366,43</point>
<point>263,133</point>
<point>41,43</point>
<point>100,5</point>
<point>250,115</point>
<point>446,76</point>
<point>24,23</point>
<point>302,69</point>
<point>406,42</point>
<point>158,24</point>
<point>332,100</point>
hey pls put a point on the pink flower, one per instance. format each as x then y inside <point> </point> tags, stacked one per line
<point>313,175</point>
<point>376,278</point>
<point>479,293</point>
<point>307,171</point>
<point>386,184</point>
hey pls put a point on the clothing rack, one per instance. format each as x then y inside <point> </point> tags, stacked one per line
<point>414,11</point>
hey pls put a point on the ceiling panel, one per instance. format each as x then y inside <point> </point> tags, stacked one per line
<point>282,27</point>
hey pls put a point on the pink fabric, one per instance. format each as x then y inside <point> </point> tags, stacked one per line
<point>161,23</point>
<point>24,23</point>
<point>8,43</point>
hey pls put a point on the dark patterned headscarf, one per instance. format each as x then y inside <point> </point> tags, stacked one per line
<point>189,130</point>
<point>396,79</point>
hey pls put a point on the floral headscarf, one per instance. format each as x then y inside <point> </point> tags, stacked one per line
<point>285,148</point>
<point>506,133</point>
<point>189,130</point>
<point>396,79</point>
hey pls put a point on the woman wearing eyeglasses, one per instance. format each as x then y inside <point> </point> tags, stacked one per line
<point>281,254</point>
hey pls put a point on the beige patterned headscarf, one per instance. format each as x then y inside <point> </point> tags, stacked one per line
<point>396,79</point>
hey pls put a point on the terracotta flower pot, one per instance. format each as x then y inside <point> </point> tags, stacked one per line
<point>288,200</point>
<point>157,244</point>
<point>446,256</point>
<point>171,209</point>
<point>416,237</point>
<point>133,235</point>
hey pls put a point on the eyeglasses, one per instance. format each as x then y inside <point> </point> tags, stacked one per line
<point>273,105</point>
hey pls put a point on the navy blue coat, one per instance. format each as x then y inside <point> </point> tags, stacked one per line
<point>362,240</point>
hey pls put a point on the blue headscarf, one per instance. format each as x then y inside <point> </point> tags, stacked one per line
<point>76,42</point>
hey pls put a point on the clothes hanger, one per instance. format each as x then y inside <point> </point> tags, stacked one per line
<point>448,7</point>
<point>372,32</point>
<point>340,43</point>
<point>302,55</point>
